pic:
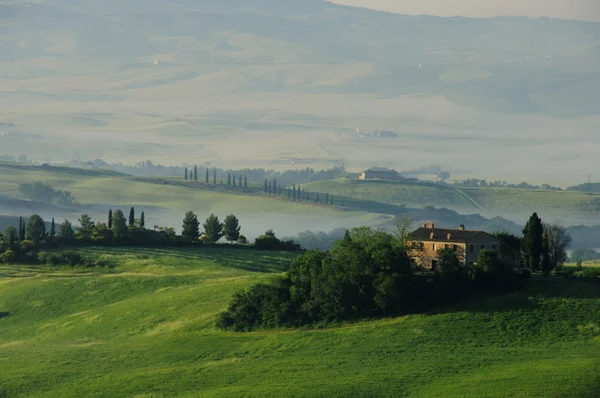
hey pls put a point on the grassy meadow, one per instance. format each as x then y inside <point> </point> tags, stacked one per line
<point>143,327</point>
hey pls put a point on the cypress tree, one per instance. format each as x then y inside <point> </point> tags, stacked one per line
<point>206,178</point>
<point>317,198</point>
<point>294,192</point>
<point>279,191</point>
<point>186,173</point>
<point>245,182</point>
<point>215,176</point>
<point>52,228</point>
<point>119,225</point>
<point>266,186</point>
<point>131,217</point>
<point>21,229</point>
<point>142,220</point>
<point>533,241</point>
<point>274,186</point>
<point>269,188</point>
<point>229,179</point>
<point>234,183</point>
<point>195,173</point>
<point>110,215</point>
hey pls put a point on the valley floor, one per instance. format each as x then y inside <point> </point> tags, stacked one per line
<point>144,328</point>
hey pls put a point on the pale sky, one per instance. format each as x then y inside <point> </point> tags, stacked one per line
<point>588,10</point>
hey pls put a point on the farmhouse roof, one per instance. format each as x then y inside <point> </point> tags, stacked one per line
<point>441,235</point>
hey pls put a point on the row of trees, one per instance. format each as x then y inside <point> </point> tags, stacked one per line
<point>543,246</point>
<point>232,180</point>
<point>214,229</point>
<point>367,274</point>
<point>296,193</point>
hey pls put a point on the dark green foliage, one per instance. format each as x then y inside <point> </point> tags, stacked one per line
<point>229,179</point>
<point>234,182</point>
<point>294,192</point>
<point>131,219</point>
<point>195,173</point>
<point>67,258</point>
<point>268,241</point>
<point>242,240</point>
<point>206,177</point>
<point>84,232</point>
<point>274,186</point>
<point>215,177</point>
<point>52,229</point>
<point>533,242</point>
<point>40,192</point>
<point>36,229</point>
<point>510,246</point>
<point>142,220</point>
<point>22,229</point>
<point>186,174</point>
<point>231,228</point>
<point>448,261</point>
<point>66,235</point>
<point>546,265</point>
<point>119,224</point>
<point>367,274</point>
<point>326,198</point>
<point>245,182</point>
<point>11,238</point>
<point>191,227</point>
<point>110,216</point>
<point>213,229</point>
<point>266,189</point>
<point>317,200</point>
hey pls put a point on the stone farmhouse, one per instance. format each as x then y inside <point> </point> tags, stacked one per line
<point>379,173</point>
<point>467,244</point>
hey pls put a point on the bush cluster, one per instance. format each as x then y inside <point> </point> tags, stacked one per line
<point>367,274</point>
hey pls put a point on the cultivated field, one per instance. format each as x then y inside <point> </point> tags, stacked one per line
<point>144,328</point>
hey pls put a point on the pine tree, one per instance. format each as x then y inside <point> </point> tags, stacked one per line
<point>229,179</point>
<point>195,173</point>
<point>132,217</point>
<point>191,227</point>
<point>186,173</point>
<point>231,228</point>
<point>266,186</point>
<point>65,233</point>
<point>36,228</point>
<point>213,229</point>
<point>206,178</point>
<point>110,215</point>
<point>215,176</point>
<point>52,228</point>
<point>119,224</point>
<point>142,220</point>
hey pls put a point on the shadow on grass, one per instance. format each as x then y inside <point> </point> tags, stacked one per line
<point>243,258</point>
<point>4,314</point>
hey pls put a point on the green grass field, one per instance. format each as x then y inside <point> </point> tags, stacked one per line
<point>144,328</point>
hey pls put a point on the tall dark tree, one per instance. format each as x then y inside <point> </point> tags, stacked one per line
<point>142,220</point>
<point>22,231</point>
<point>274,186</point>
<point>266,186</point>
<point>109,219</point>
<point>131,217</point>
<point>36,228</point>
<point>229,179</point>
<point>186,173</point>
<point>119,224</point>
<point>84,233</point>
<point>326,198</point>
<point>317,200</point>
<point>245,182</point>
<point>233,182</point>
<point>213,229</point>
<point>546,266</point>
<point>191,227</point>
<point>231,228</point>
<point>279,193</point>
<point>52,229</point>
<point>12,238</point>
<point>269,187</point>
<point>195,173</point>
<point>206,177</point>
<point>65,233</point>
<point>294,191</point>
<point>289,192</point>
<point>215,176</point>
<point>533,235</point>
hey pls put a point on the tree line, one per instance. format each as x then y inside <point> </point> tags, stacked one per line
<point>25,243</point>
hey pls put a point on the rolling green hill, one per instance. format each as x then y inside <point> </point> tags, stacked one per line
<point>566,207</point>
<point>145,328</point>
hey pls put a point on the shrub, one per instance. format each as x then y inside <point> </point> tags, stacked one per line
<point>8,257</point>
<point>591,272</point>
<point>242,240</point>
